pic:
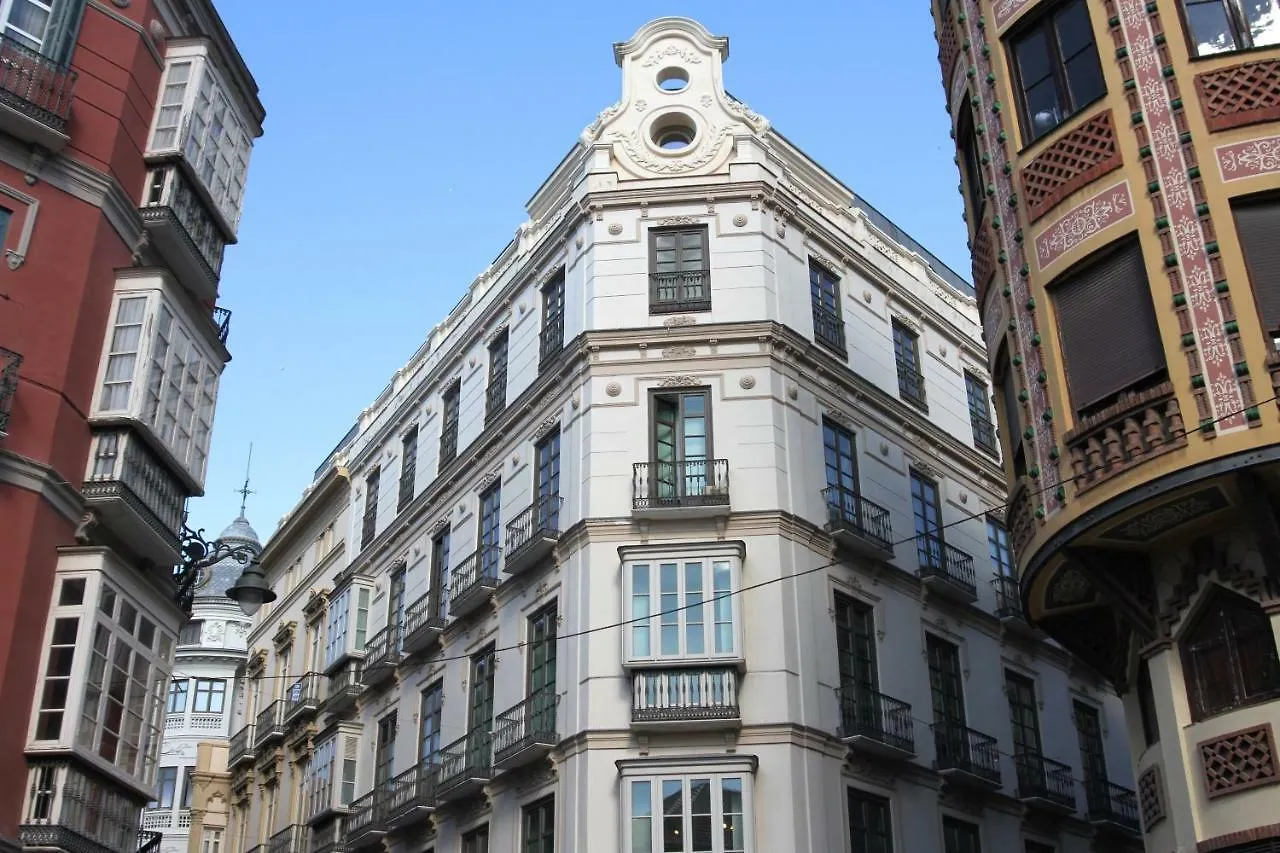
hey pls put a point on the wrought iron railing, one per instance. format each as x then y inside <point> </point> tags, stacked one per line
<point>345,683</point>
<point>685,483</point>
<point>828,329</point>
<point>984,432</point>
<point>541,518</point>
<point>478,571</point>
<point>495,400</point>
<point>369,525</point>
<point>10,361</point>
<point>550,339</point>
<point>847,510</point>
<point>940,560</point>
<point>171,198</point>
<point>294,838</point>
<point>910,383</point>
<point>366,813</point>
<point>221,318</point>
<point>449,440</point>
<point>123,467</point>
<point>241,745</point>
<point>270,723</point>
<point>414,787</point>
<point>303,695</point>
<point>470,756</point>
<point>965,749</point>
<point>665,695</point>
<point>34,84</point>
<point>1045,779</point>
<point>874,715</point>
<point>408,474</point>
<point>684,290</point>
<point>61,795</point>
<point>1108,802</point>
<point>1008,597</point>
<point>148,842</point>
<point>383,648</point>
<point>531,721</point>
<point>423,613</point>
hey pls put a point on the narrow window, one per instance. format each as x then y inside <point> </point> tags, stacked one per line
<point>449,425</point>
<point>166,787</point>
<point>828,317</point>
<point>840,465</point>
<point>959,836</point>
<point>122,353</point>
<point>1229,656</point>
<point>998,548</point>
<point>384,751</point>
<point>57,678</point>
<point>362,617</point>
<point>1056,68</point>
<point>1023,714</point>
<point>495,395</point>
<point>476,841</point>
<point>926,509</point>
<point>975,183</point>
<point>551,338</point>
<point>680,447</point>
<point>440,572</point>
<point>350,760</point>
<point>538,835</point>
<point>480,708</point>
<point>984,432</point>
<point>541,677</point>
<point>870,823</point>
<point>396,603</point>
<point>945,681</point>
<point>370,524</point>
<point>1147,704</point>
<point>906,355</point>
<point>408,467</point>
<point>855,647</point>
<point>547,482</point>
<point>1092,755</point>
<point>490,531</point>
<point>679,278</point>
<point>429,736</point>
<point>1013,426</point>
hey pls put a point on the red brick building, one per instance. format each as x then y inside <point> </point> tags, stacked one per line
<point>125,133</point>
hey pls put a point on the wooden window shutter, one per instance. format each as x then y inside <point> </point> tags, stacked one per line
<point>1258,224</point>
<point>1110,340</point>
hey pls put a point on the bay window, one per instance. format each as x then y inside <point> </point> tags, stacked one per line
<point>348,624</point>
<point>706,812</point>
<point>684,608</point>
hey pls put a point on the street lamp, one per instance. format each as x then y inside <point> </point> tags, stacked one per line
<point>251,589</point>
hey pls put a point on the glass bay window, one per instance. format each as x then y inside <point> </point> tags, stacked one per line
<point>684,609</point>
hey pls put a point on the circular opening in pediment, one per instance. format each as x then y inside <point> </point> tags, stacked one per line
<point>673,79</point>
<point>674,132</point>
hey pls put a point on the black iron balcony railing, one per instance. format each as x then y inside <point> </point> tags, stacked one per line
<point>294,838</point>
<point>550,340</point>
<point>241,746</point>
<point>1008,597</point>
<point>911,384</point>
<point>495,400</point>
<point>828,329</point>
<point>449,441</point>
<point>676,292</point>
<point>869,714</point>
<point>1109,803</point>
<point>946,562</point>
<point>532,533</point>
<point>1045,780</point>
<point>677,695</point>
<point>473,580</point>
<point>466,764</point>
<point>303,697</point>
<point>411,794</point>
<point>35,85</point>
<point>529,723</point>
<point>221,318</point>
<point>686,483</point>
<point>422,624</point>
<point>183,228</point>
<point>368,526</point>
<point>125,468</point>
<point>345,685</point>
<point>148,841</point>
<point>968,751</point>
<point>381,654</point>
<point>364,821</point>
<point>270,723</point>
<point>984,433</point>
<point>850,513</point>
<point>10,361</point>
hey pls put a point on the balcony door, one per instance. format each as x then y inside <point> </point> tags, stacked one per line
<point>395,608</point>
<point>856,654</point>
<point>927,510</point>
<point>480,708</point>
<point>681,445</point>
<point>1092,755</point>
<point>384,751</point>
<point>1024,716</point>
<point>542,670</point>
<point>948,700</point>
<point>841,465</point>
<point>547,460</point>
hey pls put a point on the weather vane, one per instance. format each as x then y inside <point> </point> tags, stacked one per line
<point>244,491</point>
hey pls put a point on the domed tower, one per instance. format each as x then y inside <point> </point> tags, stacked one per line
<point>210,648</point>
<point>1122,188</point>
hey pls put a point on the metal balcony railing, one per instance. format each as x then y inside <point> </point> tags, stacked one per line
<point>449,440</point>
<point>412,791</point>
<point>984,433</point>
<point>183,227</point>
<point>368,526</point>
<point>365,818</point>
<point>850,513</point>
<point>221,318</point>
<point>676,695</point>
<point>911,384</point>
<point>536,529</point>
<point>968,751</point>
<point>869,714</point>
<point>344,686</point>
<point>550,340</point>
<point>684,483</point>
<point>303,697</point>
<point>241,747</point>
<point>1008,597</point>
<point>531,722</point>
<point>466,764</point>
<point>10,361</point>
<point>828,329</point>
<point>294,838</point>
<point>946,562</point>
<point>1109,803</point>
<point>495,400</point>
<point>270,723</point>
<point>676,292</point>
<point>473,580</point>
<point>381,654</point>
<point>125,468</point>
<point>34,84</point>
<point>1045,780</point>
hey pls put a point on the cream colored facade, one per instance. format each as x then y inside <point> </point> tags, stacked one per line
<point>211,799</point>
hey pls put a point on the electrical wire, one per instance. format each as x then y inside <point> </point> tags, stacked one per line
<point>793,575</point>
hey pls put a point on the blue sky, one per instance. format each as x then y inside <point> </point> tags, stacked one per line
<point>397,158</point>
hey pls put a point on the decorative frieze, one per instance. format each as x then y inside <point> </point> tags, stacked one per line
<point>1249,159</point>
<point>1088,219</point>
<point>1239,761</point>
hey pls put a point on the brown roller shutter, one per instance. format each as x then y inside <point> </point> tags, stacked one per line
<point>1110,340</point>
<point>1258,224</point>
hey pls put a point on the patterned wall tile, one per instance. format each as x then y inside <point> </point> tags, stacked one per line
<point>1239,760</point>
<point>1107,208</point>
<point>1248,159</point>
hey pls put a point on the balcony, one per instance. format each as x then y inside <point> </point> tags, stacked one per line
<point>911,384</point>
<point>473,582</point>
<point>183,230</point>
<point>1009,606</point>
<point>495,402</point>
<point>965,756</point>
<point>10,361</point>
<point>527,732</point>
<point>368,526</point>
<point>295,838</point>
<point>381,656</point>
<point>166,819</point>
<point>241,748</point>
<point>1140,426</point>
<point>689,488</point>
<point>945,570</point>
<point>330,838</point>
<point>365,824</point>
<point>533,534</point>
<point>550,340</point>
<point>35,95</point>
<point>195,723</point>
<point>422,625</point>
<point>135,495</point>
<point>466,765</point>
<point>702,698</point>
<point>51,836</point>
<point>269,726</point>
<point>61,794</point>
<point>828,330</point>
<point>345,686</point>
<point>876,724</point>
<point>302,699</point>
<point>679,292</point>
<point>1044,783</point>
<point>858,525</point>
<point>1111,807</point>
<point>411,796</point>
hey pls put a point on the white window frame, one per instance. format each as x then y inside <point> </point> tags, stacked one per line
<point>654,558</point>
<point>644,771</point>
<point>6,13</point>
<point>319,794</point>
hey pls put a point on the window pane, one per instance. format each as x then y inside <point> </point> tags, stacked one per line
<point>640,610</point>
<point>721,585</point>
<point>1264,21</point>
<point>669,601</point>
<point>1033,58</point>
<point>1084,78</point>
<point>1074,32</point>
<point>641,817</point>
<point>731,809</point>
<point>695,643</point>
<point>1210,27</point>
<point>1043,108</point>
<point>700,816</point>
<point>672,816</point>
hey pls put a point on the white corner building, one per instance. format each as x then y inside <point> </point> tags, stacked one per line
<point>682,532</point>
<point>211,648</point>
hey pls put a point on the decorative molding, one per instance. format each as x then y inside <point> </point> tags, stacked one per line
<point>284,634</point>
<point>747,382</point>
<point>671,51</point>
<point>1239,760</point>
<point>1238,95</point>
<point>679,352</point>
<point>1249,159</point>
<point>682,381</point>
<point>613,389</point>
<point>927,470</point>
<point>1071,163</point>
<point>679,320</point>
<point>739,220</point>
<point>1005,11</point>
<point>17,256</point>
<point>1087,219</point>
<point>615,228</point>
<point>678,220</point>
<point>840,417</point>
<point>546,426</point>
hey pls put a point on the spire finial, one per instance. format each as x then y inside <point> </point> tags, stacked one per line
<point>244,491</point>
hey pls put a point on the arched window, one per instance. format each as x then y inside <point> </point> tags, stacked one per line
<point>1229,656</point>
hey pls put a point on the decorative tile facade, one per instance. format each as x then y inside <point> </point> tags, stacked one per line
<point>984,261</point>
<point>1007,10</point>
<point>1079,158</point>
<point>1238,761</point>
<point>1109,207</point>
<point>1248,159</point>
<point>1240,94</point>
